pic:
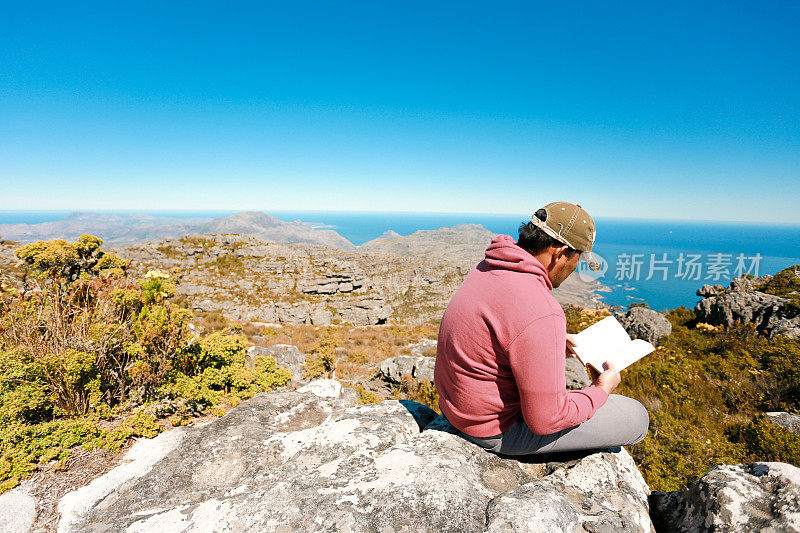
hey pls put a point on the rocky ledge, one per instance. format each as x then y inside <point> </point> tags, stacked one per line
<point>291,461</point>
<point>286,461</point>
<point>754,497</point>
<point>741,303</point>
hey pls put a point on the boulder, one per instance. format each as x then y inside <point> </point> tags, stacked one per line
<point>576,374</point>
<point>754,497</point>
<point>602,492</point>
<point>738,307</point>
<point>646,324</point>
<point>285,355</point>
<point>285,461</point>
<point>785,420</point>
<point>397,369</point>
<point>17,511</point>
<point>425,345</point>
<point>710,290</point>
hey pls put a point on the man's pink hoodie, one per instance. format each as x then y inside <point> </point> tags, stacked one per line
<point>502,350</point>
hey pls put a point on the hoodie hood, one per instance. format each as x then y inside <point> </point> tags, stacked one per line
<point>503,253</point>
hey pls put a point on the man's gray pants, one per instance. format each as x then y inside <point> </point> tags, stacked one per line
<point>621,421</point>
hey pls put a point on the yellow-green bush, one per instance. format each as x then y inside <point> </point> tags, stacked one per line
<point>706,390</point>
<point>222,376</point>
<point>24,446</point>
<point>766,441</point>
<point>322,360</point>
<point>786,284</point>
<point>80,357</point>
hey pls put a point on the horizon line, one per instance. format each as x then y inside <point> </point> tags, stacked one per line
<point>375,212</point>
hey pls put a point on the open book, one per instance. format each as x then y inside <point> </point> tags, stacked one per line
<point>607,340</point>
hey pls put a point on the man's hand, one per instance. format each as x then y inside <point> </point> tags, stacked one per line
<point>571,346</point>
<point>608,380</point>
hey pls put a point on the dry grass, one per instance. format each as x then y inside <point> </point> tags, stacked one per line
<point>360,349</point>
<point>211,320</point>
<point>49,483</point>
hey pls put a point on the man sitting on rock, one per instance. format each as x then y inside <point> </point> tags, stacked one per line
<point>502,349</point>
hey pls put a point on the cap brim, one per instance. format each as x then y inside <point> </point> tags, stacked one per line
<point>589,258</point>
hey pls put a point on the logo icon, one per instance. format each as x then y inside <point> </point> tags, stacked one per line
<point>586,274</point>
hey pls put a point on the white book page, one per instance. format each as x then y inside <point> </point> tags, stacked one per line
<point>607,340</point>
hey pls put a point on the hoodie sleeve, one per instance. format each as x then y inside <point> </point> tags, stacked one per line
<point>537,358</point>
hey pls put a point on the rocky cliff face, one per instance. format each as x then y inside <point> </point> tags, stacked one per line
<point>740,303</point>
<point>247,279</point>
<point>250,280</point>
<point>463,246</point>
<point>286,461</point>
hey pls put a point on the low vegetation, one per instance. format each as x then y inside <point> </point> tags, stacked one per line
<point>706,389</point>
<point>786,284</point>
<point>91,357</point>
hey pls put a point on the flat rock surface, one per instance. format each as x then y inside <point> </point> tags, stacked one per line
<point>754,497</point>
<point>17,511</point>
<point>286,461</point>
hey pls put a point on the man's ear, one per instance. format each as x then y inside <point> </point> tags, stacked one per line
<point>553,253</point>
<point>561,250</point>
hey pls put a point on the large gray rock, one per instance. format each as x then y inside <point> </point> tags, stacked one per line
<point>404,367</point>
<point>741,303</point>
<point>285,461</point>
<point>576,374</point>
<point>646,324</point>
<point>757,308</point>
<point>755,497</point>
<point>785,420</point>
<point>17,511</point>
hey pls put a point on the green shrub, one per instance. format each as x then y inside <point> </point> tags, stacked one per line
<point>423,392</point>
<point>322,360</point>
<point>703,389</point>
<point>764,441</point>
<point>25,446</point>
<point>80,358</point>
<point>786,284</point>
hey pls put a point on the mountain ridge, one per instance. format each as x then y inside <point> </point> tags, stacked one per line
<point>140,227</point>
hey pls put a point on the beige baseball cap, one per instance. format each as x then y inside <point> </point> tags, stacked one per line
<point>570,224</point>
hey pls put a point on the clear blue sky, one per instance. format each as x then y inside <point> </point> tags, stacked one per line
<point>679,110</point>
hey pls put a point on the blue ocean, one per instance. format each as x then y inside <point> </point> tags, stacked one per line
<point>658,262</point>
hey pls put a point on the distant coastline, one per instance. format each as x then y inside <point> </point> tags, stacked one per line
<point>778,247</point>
